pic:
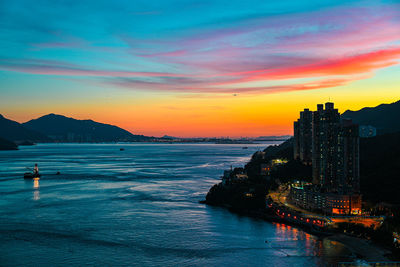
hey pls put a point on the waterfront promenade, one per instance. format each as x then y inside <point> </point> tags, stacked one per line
<point>281,198</point>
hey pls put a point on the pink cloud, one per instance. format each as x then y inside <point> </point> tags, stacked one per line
<point>345,42</point>
<point>165,54</point>
<point>350,65</point>
<point>200,91</point>
<point>259,42</point>
<point>321,84</point>
<point>44,67</point>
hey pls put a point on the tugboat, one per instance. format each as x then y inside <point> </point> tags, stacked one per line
<point>33,174</point>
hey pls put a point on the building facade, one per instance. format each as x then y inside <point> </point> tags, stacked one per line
<point>348,169</point>
<point>311,198</point>
<point>335,162</point>
<point>303,137</point>
<point>325,131</point>
<point>296,143</point>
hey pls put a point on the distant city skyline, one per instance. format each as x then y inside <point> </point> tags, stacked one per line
<point>190,69</point>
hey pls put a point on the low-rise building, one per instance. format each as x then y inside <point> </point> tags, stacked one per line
<point>310,197</point>
<point>264,169</point>
<point>367,131</point>
<point>230,177</point>
<point>227,177</point>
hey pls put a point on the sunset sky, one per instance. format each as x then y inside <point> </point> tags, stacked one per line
<point>196,68</point>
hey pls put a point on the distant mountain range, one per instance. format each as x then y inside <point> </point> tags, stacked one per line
<point>260,138</point>
<point>58,128</point>
<point>14,131</point>
<point>63,129</point>
<point>385,117</point>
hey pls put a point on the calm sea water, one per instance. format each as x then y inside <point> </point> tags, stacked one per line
<point>138,207</point>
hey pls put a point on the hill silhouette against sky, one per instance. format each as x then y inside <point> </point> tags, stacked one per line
<point>14,131</point>
<point>384,117</point>
<point>379,167</point>
<point>64,129</point>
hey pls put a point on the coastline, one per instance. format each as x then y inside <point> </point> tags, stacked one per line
<point>238,191</point>
<point>362,249</point>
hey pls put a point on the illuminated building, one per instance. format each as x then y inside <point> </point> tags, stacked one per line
<point>264,169</point>
<point>335,164</point>
<point>310,197</point>
<point>325,131</point>
<point>348,168</point>
<point>335,152</point>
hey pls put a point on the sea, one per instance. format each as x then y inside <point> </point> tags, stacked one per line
<point>139,207</point>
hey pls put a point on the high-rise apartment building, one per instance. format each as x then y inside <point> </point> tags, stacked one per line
<point>303,137</point>
<point>334,150</point>
<point>296,137</point>
<point>325,156</point>
<point>349,158</point>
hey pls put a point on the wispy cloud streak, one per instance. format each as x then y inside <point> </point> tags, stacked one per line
<point>338,45</point>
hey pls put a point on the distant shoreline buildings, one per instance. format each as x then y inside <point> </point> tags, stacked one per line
<point>331,144</point>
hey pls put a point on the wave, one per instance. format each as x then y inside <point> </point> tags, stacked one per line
<point>46,237</point>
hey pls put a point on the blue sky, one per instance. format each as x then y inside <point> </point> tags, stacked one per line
<point>67,55</point>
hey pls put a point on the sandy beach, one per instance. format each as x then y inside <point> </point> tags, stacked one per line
<point>362,248</point>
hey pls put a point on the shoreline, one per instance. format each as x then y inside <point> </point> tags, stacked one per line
<point>363,249</point>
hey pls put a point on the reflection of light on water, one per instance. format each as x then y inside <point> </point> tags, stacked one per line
<point>311,247</point>
<point>36,183</point>
<point>36,193</point>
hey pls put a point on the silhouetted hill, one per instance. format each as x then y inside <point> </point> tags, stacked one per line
<point>64,129</point>
<point>284,150</point>
<point>384,117</point>
<point>14,131</point>
<point>380,168</point>
<point>7,145</point>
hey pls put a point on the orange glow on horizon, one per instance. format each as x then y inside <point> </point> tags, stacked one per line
<point>212,115</point>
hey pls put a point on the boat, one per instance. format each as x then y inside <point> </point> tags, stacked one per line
<point>121,149</point>
<point>31,175</point>
<point>245,147</point>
